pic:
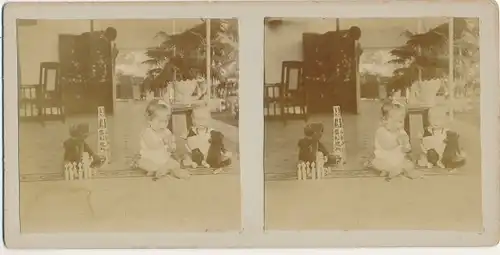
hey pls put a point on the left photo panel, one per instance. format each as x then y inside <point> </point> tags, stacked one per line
<point>128,125</point>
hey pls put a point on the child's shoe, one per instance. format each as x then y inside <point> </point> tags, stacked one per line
<point>391,175</point>
<point>383,173</point>
<point>413,174</point>
<point>158,175</point>
<point>218,171</point>
<point>205,164</point>
<point>180,174</point>
<point>440,164</point>
<point>187,162</point>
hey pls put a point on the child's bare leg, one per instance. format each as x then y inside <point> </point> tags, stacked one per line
<point>180,173</point>
<point>151,168</point>
<point>387,169</point>
<point>410,171</point>
<point>176,171</point>
<point>205,164</point>
<point>393,172</point>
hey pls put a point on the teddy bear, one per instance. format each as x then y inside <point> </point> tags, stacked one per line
<point>310,145</point>
<point>453,156</point>
<point>217,155</point>
<point>75,146</point>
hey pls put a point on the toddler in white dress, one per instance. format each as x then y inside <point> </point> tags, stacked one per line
<point>392,144</point>
<point>158,143</point>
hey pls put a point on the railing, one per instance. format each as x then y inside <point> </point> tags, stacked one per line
<point>28,101</point>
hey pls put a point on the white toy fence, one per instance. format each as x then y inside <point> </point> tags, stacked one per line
<point>80,170</point>
<point>315,170</point>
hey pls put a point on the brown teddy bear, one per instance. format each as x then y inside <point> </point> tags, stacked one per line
<point>310,144</point>
<point>75,146</point>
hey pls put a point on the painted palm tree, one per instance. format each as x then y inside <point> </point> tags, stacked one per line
<point>427,53</point>
<point>184,54</point>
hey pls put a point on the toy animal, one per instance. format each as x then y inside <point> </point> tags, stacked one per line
<point>217,156</point>
<point>198,143</point>
<point>310,144</point>
<point>453,156</point>
<point>442,150</point>
<point>75,146</point>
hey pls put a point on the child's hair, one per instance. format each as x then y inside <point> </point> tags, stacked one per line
<point>156,105</point>
<point>390,106</point>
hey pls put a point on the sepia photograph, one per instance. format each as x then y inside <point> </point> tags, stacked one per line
<point>128,125</point>
<point>372,124</point>
<point>250,125</point>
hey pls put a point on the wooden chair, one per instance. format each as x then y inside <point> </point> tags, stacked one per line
<point>287,99</point>
<point>273,101</point>
<point>50,99</point>
<point>293,92</point>
<point>28,102</point>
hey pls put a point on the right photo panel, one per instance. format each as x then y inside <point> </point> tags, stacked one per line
<point>372,123</point>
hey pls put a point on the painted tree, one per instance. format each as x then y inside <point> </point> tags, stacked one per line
<point>428,52</point>
<point>185,53</point>
<point>375,71</point>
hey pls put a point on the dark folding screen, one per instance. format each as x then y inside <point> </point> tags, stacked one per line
<point>330,71</point>
<point>86,72</point>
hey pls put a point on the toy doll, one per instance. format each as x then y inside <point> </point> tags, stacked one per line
<point>440,145</point>
<point>198,144</point>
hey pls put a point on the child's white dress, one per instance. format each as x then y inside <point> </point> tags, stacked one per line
<point>158,156</point>
<point>393,157</point>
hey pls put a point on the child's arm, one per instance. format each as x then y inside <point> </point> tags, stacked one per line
<point>169,140</point>
<point>322,149</point>
<point>151,140</point>
<point>404,141</point>
<point>86,148</point>
<point>171,143</point>
<point>385,140</point>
